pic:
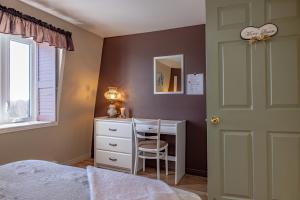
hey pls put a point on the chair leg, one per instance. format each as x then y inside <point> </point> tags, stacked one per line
<point>166,161</point>
<point>158,167</point>
<point>136,160</point>
<point>144,164</point>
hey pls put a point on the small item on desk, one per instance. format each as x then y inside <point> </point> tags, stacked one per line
<point>122,115</point>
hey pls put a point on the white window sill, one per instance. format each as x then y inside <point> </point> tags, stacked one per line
<point>14,127</point>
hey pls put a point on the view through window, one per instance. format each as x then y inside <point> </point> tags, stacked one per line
<point>28,81</point>
<point>19,84</point>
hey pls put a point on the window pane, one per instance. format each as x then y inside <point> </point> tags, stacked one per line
<point>19,89</point>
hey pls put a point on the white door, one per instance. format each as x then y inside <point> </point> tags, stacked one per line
<point>254,151</point>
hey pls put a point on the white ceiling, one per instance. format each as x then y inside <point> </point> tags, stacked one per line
<point>109,18</point>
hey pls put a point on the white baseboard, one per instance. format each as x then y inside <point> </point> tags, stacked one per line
<point>77,159</point>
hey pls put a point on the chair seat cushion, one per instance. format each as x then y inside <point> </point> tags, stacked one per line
<point>151,144</point>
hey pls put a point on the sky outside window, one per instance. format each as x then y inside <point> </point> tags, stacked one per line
<point>19,71</point>
<point>19,86</point>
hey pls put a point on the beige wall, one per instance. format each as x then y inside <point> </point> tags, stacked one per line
<point>72,138</point>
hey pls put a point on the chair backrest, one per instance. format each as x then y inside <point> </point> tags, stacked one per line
<point>142,126</point>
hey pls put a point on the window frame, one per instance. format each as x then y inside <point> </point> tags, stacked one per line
<point>5,76</point>
<point>32,123</point>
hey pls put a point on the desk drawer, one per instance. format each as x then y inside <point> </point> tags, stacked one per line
<point>114,159</point>
<point>114,129</point>
<point>171,130</point>
<point>114,144</point>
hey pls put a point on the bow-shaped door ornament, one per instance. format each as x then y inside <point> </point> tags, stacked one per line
<point>263,33</point>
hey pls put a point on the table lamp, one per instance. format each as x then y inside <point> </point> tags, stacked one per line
<point>112,95</point>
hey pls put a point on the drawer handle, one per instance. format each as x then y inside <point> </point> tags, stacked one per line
<point>113,159</point>
<point>112,129</point>
<point>113,145</point>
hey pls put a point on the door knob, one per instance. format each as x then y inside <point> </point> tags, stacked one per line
<point>215,120</point>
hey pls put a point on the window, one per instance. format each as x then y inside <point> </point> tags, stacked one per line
<point>28,80</point>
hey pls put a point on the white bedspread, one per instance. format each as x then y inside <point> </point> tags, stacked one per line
<point>110,185</point>
<point>42,180</point>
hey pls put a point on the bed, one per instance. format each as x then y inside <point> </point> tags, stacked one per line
<point>42,180</point>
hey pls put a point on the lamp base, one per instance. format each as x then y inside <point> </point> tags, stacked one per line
<point>112,111</point>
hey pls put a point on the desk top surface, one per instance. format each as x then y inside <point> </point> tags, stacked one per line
<point>129,120</point>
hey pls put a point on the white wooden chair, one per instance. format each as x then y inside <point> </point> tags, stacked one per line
<point>149,147</point>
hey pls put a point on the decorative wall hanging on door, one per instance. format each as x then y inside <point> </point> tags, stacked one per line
<point>263,33</point>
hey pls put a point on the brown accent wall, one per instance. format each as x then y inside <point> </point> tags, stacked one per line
<point>127,63</point>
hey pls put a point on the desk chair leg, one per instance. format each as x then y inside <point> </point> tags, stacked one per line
<point>158,168</point>
<point>144,164</point>
<point>166,161</point>
<point>136,160</point>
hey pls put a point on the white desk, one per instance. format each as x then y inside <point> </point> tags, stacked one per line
<point>114,143</point>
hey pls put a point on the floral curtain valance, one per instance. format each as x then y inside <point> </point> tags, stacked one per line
<point>17,23</point>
